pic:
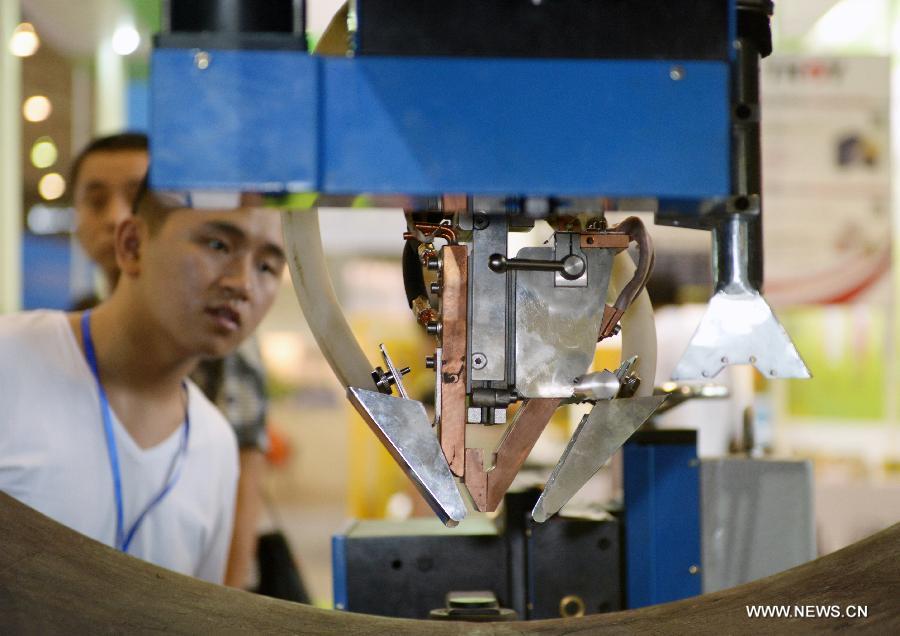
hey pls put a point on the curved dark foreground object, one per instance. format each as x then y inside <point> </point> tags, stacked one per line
<point>53,580</point>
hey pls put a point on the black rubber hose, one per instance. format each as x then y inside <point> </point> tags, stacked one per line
<point>413,276</point>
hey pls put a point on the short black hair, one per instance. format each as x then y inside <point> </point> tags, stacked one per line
<point>113,143</point>
<point>154,207</point>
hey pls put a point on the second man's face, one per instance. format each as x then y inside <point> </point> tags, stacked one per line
<point>104,193</point>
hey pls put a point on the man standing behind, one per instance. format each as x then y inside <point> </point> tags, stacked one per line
<point>105,177</point>
<point>101,430</point>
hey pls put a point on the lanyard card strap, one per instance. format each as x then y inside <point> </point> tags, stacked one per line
<point>123,538</point>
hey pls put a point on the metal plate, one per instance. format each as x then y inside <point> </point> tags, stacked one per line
<point>286,121</point>
<point>402,427</point>
<point>556,327</point>
<point>248,121</point>
<point>487,328</point>
<point>652,29</point>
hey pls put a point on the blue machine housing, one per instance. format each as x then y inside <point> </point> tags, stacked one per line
<point>286,121</point>
<point>662,517</point>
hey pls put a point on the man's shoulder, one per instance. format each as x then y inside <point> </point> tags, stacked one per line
<point>34,319</point>
<point>31,328</point>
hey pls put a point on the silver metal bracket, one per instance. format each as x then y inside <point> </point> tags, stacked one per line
<point>598,436</point>
<point>739,326</point>
<point>403,427</point>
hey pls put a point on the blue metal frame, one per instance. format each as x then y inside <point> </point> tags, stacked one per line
<point>285,121</point>
<point>249,121</point>
<point>662,521</point>
<point>339,570</point>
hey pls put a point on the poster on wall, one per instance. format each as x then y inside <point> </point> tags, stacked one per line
<point>826,179</point>
<point>827,228</point>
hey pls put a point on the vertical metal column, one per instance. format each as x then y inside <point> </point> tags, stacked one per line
<point>10,163</point>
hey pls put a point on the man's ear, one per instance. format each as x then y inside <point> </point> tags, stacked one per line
<point>130,236</point>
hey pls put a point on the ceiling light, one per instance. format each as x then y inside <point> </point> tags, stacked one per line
<point>37,108</point>
<point>51,186</point>
<point>24,40</point>
<point>44,153</point>
<point>125,40</point>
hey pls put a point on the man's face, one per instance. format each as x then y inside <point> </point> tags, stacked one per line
<point>104,193</point>
<point>209,276</point>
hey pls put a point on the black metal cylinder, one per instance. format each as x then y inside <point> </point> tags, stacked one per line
<point>235,16</point>
<point>746,160</point>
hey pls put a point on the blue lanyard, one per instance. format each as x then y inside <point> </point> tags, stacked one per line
<point>123,537</point>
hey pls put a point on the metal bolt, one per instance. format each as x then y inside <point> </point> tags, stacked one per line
<point>676,73</point>
<point>201,60</point>
<point>430,362</point>
<point>434,264</point>
<point>433,328</point>
<point>479,361</point>
<point>693,569</point>
<point>481,221</point>
<point>435,288</point>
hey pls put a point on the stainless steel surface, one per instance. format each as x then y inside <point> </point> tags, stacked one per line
<point>567,246</point>
<point>402,426</point>
<point>601,385</point>
<point>600,434</point>
<point>681,393</point>
<point>487,291</point>
<point>757,519</point>
<point>556,327</point>
<point>739,326</point>
<point>396,374</point>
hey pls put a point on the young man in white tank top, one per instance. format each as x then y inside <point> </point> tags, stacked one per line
<point>101,430</point>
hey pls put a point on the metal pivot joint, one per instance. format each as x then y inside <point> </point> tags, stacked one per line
<point>571,267</point>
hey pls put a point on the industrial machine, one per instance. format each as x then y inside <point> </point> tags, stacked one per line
<point>481,119</point>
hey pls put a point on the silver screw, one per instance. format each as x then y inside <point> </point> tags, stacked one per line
<point>201,60</point>
<point>693,569</point>
<point>676,73</point>
<point>479,361</point>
